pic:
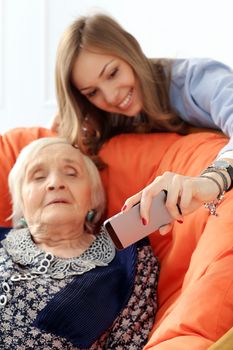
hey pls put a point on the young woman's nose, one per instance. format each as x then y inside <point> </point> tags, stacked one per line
<point>111,96</point>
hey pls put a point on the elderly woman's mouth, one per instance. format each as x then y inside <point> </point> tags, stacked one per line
<point>58,201</point>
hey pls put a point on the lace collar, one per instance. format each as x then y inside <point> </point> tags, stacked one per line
<point>23,251</point>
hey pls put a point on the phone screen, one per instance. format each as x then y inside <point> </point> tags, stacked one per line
<point>126,228</point>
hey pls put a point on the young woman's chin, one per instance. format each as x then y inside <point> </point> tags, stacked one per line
<point>133,111</point>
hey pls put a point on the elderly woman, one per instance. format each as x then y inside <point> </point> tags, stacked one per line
<point>63,284</point>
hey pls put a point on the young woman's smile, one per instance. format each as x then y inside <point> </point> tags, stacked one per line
<point>107,82</point>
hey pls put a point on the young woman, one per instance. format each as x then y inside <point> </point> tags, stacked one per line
<point>106,86</point>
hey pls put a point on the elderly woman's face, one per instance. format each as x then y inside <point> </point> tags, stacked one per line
<point>57,188</point>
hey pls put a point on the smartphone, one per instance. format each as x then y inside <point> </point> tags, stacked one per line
<point>126,228</point>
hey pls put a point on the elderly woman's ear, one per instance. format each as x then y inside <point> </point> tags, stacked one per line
<point>22,223</point>
<point>91,215</point>
<point>91,221</point>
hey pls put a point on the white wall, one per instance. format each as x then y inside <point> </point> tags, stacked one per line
<point>29,33</point>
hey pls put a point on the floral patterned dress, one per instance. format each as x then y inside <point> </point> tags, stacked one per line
<point>103,299</point>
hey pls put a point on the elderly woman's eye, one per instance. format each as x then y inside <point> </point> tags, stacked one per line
<point>38,176</point>
<point>72,173</point>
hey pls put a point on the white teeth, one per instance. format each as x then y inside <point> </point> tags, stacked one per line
<point>126,100</point>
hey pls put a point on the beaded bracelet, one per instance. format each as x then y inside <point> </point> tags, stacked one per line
<point>212,206</point>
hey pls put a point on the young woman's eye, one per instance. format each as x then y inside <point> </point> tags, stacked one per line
<point>92,93</point>
<point>113,73</point>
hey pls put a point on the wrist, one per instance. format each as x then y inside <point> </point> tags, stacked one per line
<point>212,205</point>
<point>219,169</point>
<point>216,182</point>
<point>218,176</point>
<point>223,169</point>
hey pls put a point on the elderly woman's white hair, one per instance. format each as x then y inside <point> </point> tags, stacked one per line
<point>28,153</point>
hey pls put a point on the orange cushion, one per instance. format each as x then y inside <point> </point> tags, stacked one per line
<point>195,285</point>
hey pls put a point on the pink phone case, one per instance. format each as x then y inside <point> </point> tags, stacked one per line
<point>126,228</point>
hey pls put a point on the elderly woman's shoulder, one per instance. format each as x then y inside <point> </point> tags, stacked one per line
<point>3,232</point>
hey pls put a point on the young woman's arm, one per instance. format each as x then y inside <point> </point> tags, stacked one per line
<point>201,91</point>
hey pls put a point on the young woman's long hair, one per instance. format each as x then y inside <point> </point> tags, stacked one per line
<point>85,124</point>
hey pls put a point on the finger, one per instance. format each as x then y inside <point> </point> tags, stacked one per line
<point>188,194</point>
<point>174,193</point>
<point>131,201</point>
<point>145,204</point>
<point>146,198</point>
<point>158,185</point>
<point>193,197</point>
<point>165,229</point>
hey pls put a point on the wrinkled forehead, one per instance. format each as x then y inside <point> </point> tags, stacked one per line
<point>56,154</point>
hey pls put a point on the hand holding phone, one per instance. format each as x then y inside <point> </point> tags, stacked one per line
<point>126,228</point>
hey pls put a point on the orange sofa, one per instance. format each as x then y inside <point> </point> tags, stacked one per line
<point>196,280</point>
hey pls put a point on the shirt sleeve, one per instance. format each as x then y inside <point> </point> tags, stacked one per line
<point>201,91</point>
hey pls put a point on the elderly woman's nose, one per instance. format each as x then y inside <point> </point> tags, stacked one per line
<point>55,182</point>
<point>53,187</point>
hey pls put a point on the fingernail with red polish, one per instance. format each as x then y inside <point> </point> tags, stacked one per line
<point>124,207</point>
<point>180,221</point>
<point>144,222</point>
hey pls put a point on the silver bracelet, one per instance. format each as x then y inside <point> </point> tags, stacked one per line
<point>214,170</point>
<point>212,206</point>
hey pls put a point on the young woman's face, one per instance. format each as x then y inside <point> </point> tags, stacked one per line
<point>107,82</point>
<point>57,188</point>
